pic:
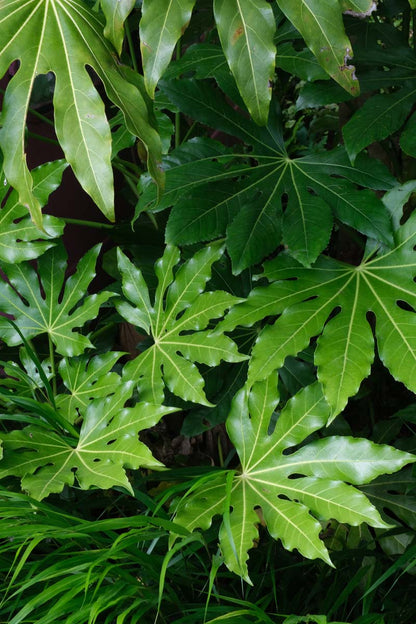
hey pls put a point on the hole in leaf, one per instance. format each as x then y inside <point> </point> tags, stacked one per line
<point>405,306</point>
<point>111,442</point>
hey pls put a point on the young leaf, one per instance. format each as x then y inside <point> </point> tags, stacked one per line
<point>64,37</point>
<point>20,239</point>
<point>108,443</point>
<point>246,29</point>
<point>40,304</point>
<point>287,491</point>
<point>86,379</point>
<point>307,297</point>
<point>162,24</point>
<point>177,322</point>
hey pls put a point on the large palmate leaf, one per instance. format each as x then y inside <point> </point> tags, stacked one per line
<point>65,37</point>
<point>177,321</point>
<point>246,29</point>
<point>312,188</point>
<point>320,23</point>
<point>86,379</point>
<point>41,304</point>
<point>108,443</point>
<point>287,491</point>
<point>20,239</point>
<point>332,300</point>
<point>161,26</point>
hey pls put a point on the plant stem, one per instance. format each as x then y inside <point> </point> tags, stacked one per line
<point>131,46</point>
<point>92,224</point>
<point>178,114</point>
<point>53,366</point>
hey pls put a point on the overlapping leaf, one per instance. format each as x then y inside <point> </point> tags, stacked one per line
<point>65,37</point>
<point>307,299</point>
<point>177,321</point>
<point>320,24</point>
<point>250,212</point>
<point>43,303</point>
<point>116,12</point>
<point>86,379</point>
<point>286,490</point>
<point>20,239</point>
<point>108,443</point>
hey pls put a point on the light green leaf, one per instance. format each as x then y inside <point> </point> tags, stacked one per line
<point>116,12</point>
<point>161,26</point>
<point>108,443</point>
<point>306,299</point>
<point>320,24</point>
<point>44,306</point>
<point>20,239</point>
<point>64,37</point>
<point>86,379</point>
<point>177,322</point>
<point>246,29</point>
<point>289,492</point>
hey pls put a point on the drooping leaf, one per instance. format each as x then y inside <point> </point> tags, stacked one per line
<point>41,302</point>
<point>321,26</point>
<point>246,29</point>
<point>161,26</point>
<point>65,37</point>
<point>108,443</point>
<point>86,379</point>
<point>116,12</point>
<point>20,239</point>
<point>287,491</point>
<point>307,297</point>
<point>177,321</point>
<point>317,185</point>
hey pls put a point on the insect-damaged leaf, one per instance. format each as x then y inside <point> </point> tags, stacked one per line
<point>287,491</point>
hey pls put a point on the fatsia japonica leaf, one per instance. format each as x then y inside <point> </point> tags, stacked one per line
<point>332,300</point>
<point>288,491</point>
<point>177,321</point>
<point>86,378</point>
<point>108,443</point>
<point>66,37</point>
<point>162,24</point>
<point>322,28</point>
<point>246,29</point>
<point>314,187</point>
<point>20,239</point>
<point>42,302</point>
<point>116,12</point>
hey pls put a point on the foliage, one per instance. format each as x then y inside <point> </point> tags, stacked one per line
<point>223,387</point>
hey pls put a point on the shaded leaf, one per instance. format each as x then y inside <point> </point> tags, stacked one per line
<point>108,443</point>
<point>116,13</point>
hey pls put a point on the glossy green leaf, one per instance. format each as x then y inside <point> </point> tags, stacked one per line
<point>45,306</point>
<point>301,63</point>
<point>321,26</point>
<point>86,379</point>
<point>20,239</point>
<point>116,13</point>
<point>246,29</point>
<point>332,300</point>
<point>317,185</point>
<point>393,493</point>
<point>379,117</point>
<point>177,321</point>
<point>288,491</point>
<point>161,26</point>
<point>65,37</point>
<point>108,443</point>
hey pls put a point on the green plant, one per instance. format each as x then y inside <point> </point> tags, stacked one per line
<point>278,416</point>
